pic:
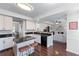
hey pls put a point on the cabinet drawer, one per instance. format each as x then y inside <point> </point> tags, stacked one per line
<point>8,42</point>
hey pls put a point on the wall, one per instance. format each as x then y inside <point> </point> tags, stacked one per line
<point>60,28</point>
<point>73,35</point>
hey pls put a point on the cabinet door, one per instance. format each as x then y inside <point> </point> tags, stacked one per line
<point>30,25</point>
<point>8,23</point>
<point>37,38</point>
<point>50,41</point>
<point>1,22</point>
<point>1,44</point>
<point>8,42</point>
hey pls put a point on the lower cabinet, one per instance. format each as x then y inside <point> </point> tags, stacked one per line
<point>50,41</point>
<point>1,44</point>
<point>37,38</point>
<point>6,43</point>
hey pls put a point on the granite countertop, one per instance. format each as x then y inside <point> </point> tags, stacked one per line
<point>23,39</point>
<point>40,33</point>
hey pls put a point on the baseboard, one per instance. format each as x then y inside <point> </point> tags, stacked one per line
<point>59,41</point>
<point>76,53</point>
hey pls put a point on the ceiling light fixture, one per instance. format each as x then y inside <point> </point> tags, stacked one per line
<point>57,23</point>
<point>25,6</point>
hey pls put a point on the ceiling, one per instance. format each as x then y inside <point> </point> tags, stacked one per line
<point>55,17</point>
<point>43,11</point>
<point>39,8</point>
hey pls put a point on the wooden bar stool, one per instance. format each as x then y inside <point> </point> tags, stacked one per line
<point>33,47</point>
<point>24,50</point>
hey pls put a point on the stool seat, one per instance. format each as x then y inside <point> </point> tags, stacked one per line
<point>22,49</point>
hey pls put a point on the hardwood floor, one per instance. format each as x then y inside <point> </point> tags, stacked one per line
<point>58,49</point>
<point>7,52</point>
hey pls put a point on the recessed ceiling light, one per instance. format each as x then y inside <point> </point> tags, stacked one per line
<point>25,6</point>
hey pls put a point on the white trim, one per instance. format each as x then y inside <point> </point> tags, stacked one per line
<point>72,51</point>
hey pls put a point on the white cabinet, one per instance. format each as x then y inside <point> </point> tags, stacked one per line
<point>22,44</point>
<point>50,41</point>
<point>6,43</point>
<point>5,23</point>
<point>8,23</point>
<point>37,38</point>
<point>1,44</point>
<point>30,25</point>
<point>1,22</point>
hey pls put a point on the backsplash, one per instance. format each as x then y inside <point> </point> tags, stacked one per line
<point>5,32</point>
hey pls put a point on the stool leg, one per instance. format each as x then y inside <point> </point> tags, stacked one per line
<point>28,51</point>
<point>22,53</point>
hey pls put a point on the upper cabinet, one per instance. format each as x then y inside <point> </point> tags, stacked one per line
<point>1,22</point>
<point>5,22</point>
<point>30,25</point>
<point>8,23</point>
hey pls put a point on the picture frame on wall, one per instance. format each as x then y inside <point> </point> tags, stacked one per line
<point>73,25</point>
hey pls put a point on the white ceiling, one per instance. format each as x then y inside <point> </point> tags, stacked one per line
<point>43,11</point>
<point>39,8</point>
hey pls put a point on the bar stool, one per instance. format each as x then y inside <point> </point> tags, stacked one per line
<point>24,51</point>
<point>33,47</point>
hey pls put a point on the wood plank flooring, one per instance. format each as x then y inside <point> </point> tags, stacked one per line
<point>58,49</point>
<point>7,52</point>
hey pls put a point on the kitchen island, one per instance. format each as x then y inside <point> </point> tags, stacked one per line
<point>22,42</point>
<point>43,38</point>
